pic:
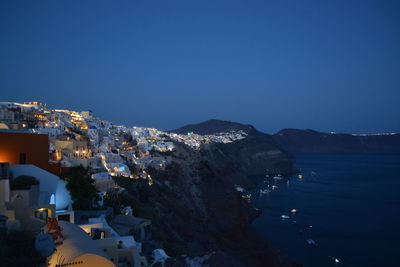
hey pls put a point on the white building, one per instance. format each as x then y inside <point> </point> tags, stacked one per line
<point>87,114</point>
<point>49,131</point>
<point>103,181</point>
<point>52,189</point>
<point>78,249</point>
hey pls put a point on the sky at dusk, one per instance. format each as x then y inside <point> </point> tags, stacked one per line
<point>329,65</point>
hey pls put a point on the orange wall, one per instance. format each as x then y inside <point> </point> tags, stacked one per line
<point>36,147</point>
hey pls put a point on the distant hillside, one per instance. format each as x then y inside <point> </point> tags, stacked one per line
<point>304,141</point>
<point>213,126</point>
<point>257,152</point>
<point>310,141</point>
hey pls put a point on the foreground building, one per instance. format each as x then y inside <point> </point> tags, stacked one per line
<point>79,249</point>
<point>31,196</point>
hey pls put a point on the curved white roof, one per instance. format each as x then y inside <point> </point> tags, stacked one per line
<point>75,244</point>
<point>49,184</point>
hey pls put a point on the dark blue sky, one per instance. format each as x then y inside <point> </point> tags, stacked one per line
<point>326,65</point>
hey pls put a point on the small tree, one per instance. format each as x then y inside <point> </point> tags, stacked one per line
<point>81,187</point>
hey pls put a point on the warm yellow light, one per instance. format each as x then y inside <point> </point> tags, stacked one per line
<point>42,209</point>
<point>45,209</point>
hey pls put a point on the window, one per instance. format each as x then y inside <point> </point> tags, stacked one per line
<point>22,158</point>
<point>53,199</point>
<point>99,234</point>
<point>42,214</point>
<point>64,217</point>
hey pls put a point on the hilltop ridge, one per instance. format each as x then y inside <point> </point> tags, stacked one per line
<point>294,141</point>
<point>213,126</point>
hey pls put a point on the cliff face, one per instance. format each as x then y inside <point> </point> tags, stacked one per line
<point>199,211</point>
<point>195,209</point>
<point>309,141</point>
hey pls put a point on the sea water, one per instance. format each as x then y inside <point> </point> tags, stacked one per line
<point>348,204</point>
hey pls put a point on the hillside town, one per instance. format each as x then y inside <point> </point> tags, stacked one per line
<point>41,149</point>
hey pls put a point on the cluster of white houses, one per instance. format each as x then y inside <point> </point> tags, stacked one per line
<point>39,142</point>
<point>196,140</point>
<point>79,138</point>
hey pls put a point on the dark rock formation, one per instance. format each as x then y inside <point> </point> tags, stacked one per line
<point>195,209</point>
<point>310,141</point>
<point>199,210</point>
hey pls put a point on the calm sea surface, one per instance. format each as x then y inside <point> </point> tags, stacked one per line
<point>348,204</point>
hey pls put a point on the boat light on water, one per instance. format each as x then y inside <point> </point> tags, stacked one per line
<point>336,260</point>
<point>299,176</point>
<point>293,211</point>
<point>247,197</point>
<point>265,191</point>
<point>285,217</point>
<point>311,242</point>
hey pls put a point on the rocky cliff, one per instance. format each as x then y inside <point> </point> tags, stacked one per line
<point>196,210</point>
